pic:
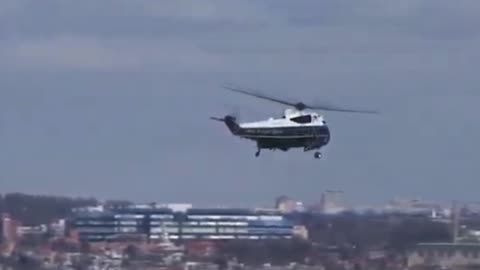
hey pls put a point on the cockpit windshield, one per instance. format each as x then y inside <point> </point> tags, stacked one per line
<point>304,119</point>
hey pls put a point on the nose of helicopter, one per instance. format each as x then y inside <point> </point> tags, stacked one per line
<point>326,134</point>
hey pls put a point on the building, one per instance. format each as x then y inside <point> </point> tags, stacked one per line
<point>288,205</point>
<point>330,203</point>
<point>123,224</point>
<point>235,224</point>
<point>285,204</point>
<point>23,231</point>
<point>9,229</point>
<point>57,228</point>
<point>446,255</point>
<point>301,232</point>
<point>156,224</point>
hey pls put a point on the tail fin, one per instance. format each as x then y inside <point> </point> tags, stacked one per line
<point>230,122</point>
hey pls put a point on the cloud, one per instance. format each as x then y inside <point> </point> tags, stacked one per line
<point>93,53</point>
<point>227,37</point>
<point>66,53</point>
<point>118,35</point>
<point>129,18</point>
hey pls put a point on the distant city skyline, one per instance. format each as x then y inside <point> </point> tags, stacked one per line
<point>341,202</point>
<point>111,99</point>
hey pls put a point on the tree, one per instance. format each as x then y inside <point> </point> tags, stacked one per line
<point>131,251</point>
<point>413,231</point>
<point>33,210</point>
<point>84,247</point>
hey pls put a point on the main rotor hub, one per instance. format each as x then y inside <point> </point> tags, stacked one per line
<point>300,106</point>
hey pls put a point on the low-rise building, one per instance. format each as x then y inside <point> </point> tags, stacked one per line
<point>154,224</point>
<point>446,255</point>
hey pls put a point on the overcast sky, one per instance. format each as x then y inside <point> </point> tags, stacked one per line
<point>111,98</point>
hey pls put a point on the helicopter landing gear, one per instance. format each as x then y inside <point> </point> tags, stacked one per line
<point>317,155</point>
<point>257,153</point>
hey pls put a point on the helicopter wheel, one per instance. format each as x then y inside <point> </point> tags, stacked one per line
<point>318,155</point>
<point>257,153</point>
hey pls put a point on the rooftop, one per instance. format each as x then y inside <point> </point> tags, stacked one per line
<point>162,210</point>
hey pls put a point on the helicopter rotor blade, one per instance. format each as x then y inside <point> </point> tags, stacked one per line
<point>338,109</point>
<point>258,95</point>
<point>298,105</point>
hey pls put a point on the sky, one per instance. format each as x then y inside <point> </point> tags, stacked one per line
<point>111,98</point>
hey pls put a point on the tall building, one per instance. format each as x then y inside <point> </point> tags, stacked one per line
<point>331,202</point>
<point>9,229</point>
<point>152,224</point>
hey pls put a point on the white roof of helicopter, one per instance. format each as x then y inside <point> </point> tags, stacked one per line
<point>317,120</point>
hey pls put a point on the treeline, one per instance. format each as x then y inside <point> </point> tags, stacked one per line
<point>278,252</point>
<point>32,210</point>
<point>348,236</point>
<point>366,232</point>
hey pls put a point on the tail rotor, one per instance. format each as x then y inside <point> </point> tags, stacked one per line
<point>233,116</point>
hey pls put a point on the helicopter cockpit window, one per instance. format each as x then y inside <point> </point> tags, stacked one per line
<point>304,119</point>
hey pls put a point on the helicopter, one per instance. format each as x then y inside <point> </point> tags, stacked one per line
<point>299,126</point>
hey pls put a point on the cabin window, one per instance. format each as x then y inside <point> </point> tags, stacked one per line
<point>304,119</point>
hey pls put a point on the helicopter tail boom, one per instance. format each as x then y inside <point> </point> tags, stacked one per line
<point>230,122</point>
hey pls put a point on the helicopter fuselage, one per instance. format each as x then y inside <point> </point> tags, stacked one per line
<point>294,130</point>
